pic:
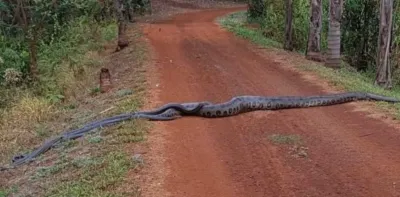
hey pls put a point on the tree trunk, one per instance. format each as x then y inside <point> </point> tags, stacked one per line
<point>383,75</point>
<point>23,15</point>
<point>288,26</point>
<point>313,51</point>
<point>121,18</point>
<point>105,80</point>
<point>33,66</point>
<point>335,14</point>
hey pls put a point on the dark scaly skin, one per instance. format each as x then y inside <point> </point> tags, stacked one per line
<point>17,160</point>
<point>185,110</point>
<point>176,106</point>
<point>178,109</point>
<point>251,103</point>
<point>243,104</point>
<point>172,114</point>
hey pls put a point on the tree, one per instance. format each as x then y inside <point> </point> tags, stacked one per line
<point>335,14</point>
<point>121,13</point>
<point>288,26</point>
<point>383,74</point>
<point>30,24</point>
<point>313,51</point>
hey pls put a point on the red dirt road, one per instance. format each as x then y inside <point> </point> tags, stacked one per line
<point>349,153</point>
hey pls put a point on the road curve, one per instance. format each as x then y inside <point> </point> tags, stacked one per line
<point>349,153</point>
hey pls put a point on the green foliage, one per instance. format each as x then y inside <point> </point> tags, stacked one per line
<point>273,23</point>
<point>360,29</point>
<point>257,8</point>
<point>301,20</point>
<point>139,7</point>
<point>396,36</point>
<point>14,54</point>
<point>67,54</point>
<point>66,30</point>
<point>325,25</point>
<point>53,22</point>
<point>47,19</point>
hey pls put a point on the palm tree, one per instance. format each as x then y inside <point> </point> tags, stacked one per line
<point>383,74</point>
<point>335,14</point>
<point>313,51</point>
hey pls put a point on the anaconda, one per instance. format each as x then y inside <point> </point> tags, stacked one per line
<point>243,104</point>
<point>237,105</point>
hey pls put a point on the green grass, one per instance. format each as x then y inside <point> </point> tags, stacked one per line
<point>98,177</point>
<point>285,139</point>
<point>343,78</point>
<point>8,192</point>
<point>236,23</point>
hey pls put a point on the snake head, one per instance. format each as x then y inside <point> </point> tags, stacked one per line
<point>18,158</point>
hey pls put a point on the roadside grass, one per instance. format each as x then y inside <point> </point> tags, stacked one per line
<point>95,165</point>
<point>237,24</point>
<point>285,139</point>
<point>296,145</point>
<point>343,78</point>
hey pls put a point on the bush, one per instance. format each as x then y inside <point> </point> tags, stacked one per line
<point>273,23</point>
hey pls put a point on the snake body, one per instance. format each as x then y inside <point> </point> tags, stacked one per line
<point>243,104</point>
<point>237,105</point>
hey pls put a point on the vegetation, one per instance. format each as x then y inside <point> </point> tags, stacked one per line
<point>354,28</point>
<point>50,55</point>
<point>285,139</point>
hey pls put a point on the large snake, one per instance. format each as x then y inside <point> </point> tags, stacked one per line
<point>235,106</point>
<point>242,104</point>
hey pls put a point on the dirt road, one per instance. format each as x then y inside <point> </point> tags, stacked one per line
<point>349,153</point>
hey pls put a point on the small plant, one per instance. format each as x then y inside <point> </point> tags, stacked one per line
<point>95,139</point>
<point>3,193</point>
<point>70,106</point>
<point>55,98</point>
<point>95,91</point>
<point>7,192</point>
<point>47,171</point>
<point>124,92</point>
<point>85,162</point>
<point>12,76</point>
